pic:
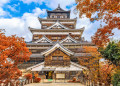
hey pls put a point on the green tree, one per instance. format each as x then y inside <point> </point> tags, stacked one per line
<point>116,78</point>
<point>112,53</point>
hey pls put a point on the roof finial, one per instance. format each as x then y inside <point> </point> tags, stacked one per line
<point>58,5</point>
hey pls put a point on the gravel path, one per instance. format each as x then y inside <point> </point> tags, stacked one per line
<point>54,84</point>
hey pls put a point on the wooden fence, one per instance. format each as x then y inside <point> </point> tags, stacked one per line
<point>17,84</point>
<point>90,83</point>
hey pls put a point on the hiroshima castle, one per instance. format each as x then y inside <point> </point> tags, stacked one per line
<point>56,47</point>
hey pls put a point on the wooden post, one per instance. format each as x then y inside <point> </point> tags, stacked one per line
<point>32,80</point>
<point>111,85</point>
<point>92,83</point>
<point>97,83</point>
<point>8,84</point>
<point>2,84</point>
<point>25,81</point>
<point>86,82</point>
<point>14,83</point>
<point>103,84</point>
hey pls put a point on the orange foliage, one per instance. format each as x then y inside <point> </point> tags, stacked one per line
<point>36,75</point>
<point>13,51</point>
<point>98,71</point>
<point>28,76</point>
<point>108,10</point>
<point>37,80</point>
<point>91,62</point>
<point>106,71</point>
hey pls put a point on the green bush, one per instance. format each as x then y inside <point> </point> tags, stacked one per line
<point>116,79</point>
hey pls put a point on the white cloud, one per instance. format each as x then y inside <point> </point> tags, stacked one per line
<point>116,35</point>
<point>52,3</point>
<point>12,8</point>
<point>2,2</point>
<point>19,26</point>
<point>30,1</point>
<point>63,3</point>
<point>3,13</point>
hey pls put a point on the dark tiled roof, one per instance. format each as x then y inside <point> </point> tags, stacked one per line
<point>37,56</point>
<point>81,54</point>
<point>75,55</point>
<point>78,43</point>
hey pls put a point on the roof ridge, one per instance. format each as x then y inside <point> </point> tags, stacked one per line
<point>67,37</point>
<point>42,38</point>
<point>58,45</point>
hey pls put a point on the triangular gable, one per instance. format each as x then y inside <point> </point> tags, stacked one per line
<point>68,39</point>
<point>44,39</point>
<point>57,46</point>
<point>57,25</point>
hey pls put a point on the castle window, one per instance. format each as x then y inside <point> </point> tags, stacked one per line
<point>54,57</point>
<point>43,41</point>
<point>33,51</point>
<point>57,58</point>
<point>60,57</point>
<point>68,40</point>
<point>36,37</point>
<point>44,26</point>
<point>72,73</point>
<point>54,38</point>
<point>76,37</point>
<point>58,16</point>
<point>71,26</point>
<point>61,16</point>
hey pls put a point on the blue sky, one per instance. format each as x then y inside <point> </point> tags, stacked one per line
<point>17,15</point>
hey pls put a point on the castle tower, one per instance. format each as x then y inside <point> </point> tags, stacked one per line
<point>57,46</point>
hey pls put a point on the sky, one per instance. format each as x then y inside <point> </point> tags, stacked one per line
<point>17,15</point>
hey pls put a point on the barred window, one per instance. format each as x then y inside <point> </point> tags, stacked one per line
<point>60,57</point>
<point>54,57</point>
<point>57,57</point>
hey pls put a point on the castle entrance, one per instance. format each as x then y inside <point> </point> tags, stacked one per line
<point>49,74</point>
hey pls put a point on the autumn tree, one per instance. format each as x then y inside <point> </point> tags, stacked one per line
<point>91,62</point>
<point>13,51</point>
<point>106,72</point>
<point>108,11</point>
<point>98,71</point>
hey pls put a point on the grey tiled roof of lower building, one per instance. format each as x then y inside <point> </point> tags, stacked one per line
<point>78,43</point>
<point>75,55</point>
<point>37,56</point>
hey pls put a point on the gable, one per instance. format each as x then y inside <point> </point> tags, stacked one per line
<point>44,39</point>
<point>57,25</point>
<point>58,53</point>
<point>57,46</point>
<point>68,39</point>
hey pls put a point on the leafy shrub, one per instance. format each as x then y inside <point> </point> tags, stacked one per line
<point>74,79</point>
<point>28,76</point>
<point>37,80</point>
<point>116,79</point>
